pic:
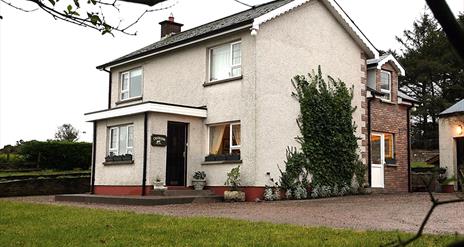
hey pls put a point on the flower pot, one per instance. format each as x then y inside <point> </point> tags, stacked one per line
<point>234,196</point>
<point>447,188</point>
<point>199,184</point>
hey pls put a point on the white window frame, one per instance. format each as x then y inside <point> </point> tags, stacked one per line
<point>231,147</point>
<point>232,66</point>
<point>121,91</point>
<point>115,150</point>
<point>389,92</point>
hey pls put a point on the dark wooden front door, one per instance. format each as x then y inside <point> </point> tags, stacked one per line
<point>460,161</point>
<point>176,160</point>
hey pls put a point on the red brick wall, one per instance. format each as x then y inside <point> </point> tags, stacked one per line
<point>392,118</point>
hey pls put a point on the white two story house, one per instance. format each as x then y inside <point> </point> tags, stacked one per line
<point>219,95</point>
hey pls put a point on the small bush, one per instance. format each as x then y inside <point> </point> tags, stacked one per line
<point>60,155</point>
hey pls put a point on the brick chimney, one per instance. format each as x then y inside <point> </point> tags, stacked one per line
<point>170,27</point>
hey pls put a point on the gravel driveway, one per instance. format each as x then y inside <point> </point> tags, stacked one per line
<point>383,212</point>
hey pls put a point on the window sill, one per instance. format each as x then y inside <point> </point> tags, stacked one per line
<point>211,83</point>
<point>128,100</point>
<point>388,101</point>
<point>391,165</point>
<point>222,162</point>
<point>113,163</point>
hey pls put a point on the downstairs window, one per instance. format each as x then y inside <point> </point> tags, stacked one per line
<point>224,140</point>
<point>121,140</point>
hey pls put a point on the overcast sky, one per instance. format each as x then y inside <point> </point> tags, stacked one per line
<point>47,67</point>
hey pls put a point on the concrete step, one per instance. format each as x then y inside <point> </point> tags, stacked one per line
<point>182,193</point>
<point>138,200</point>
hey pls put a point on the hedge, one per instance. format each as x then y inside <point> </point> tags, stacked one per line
<point>61,155</point>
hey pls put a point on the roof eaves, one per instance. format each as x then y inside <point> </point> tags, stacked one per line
<point>182,43</point>
<point>383,60</point>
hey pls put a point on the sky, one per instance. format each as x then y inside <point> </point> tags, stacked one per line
<point>47,67</point>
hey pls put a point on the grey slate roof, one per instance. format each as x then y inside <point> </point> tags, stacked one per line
<point>377,60</point>
<point>454,109</point>
<point>406,97</point>
<point>227,23</point>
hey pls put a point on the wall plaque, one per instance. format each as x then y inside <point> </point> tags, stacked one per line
<point>158,140</point>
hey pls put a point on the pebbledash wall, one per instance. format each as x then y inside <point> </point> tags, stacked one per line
<point>286,46</point>
<point>391,117</point>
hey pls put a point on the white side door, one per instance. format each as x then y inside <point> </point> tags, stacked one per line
<point>377,160</point>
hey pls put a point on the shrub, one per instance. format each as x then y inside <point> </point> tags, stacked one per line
<point>60,155</point>
<point>233,178</point>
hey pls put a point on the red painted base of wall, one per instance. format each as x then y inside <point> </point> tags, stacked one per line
<point>251,193</point>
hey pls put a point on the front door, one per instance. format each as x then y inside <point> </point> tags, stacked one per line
<point>378,160</point>
<point>176,157</point>
<point>460,161</point>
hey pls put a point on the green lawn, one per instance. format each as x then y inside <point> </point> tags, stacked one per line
<point>41,173</point>
<point>421,165</point>
<point>23,224</point>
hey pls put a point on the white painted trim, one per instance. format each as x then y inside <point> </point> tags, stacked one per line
<point>179,46</point>
<point>129,82</point>
<point>386,60</point>
<point>389,92</point>
<point>232,66</point>
<point>147,107</point>
<point>334,8</point>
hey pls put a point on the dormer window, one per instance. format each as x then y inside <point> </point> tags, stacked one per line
<point>225,61</point>
<point>385,84</point>
<point>131,84</point>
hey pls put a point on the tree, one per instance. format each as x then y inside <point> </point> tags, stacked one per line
<point>90,13</point>
<point>67,132</point>
<point>434,76</point>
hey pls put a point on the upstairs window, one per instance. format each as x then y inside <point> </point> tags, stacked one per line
<point>224,139</point>
<point>225,61</point>
<point>121,140</point>
<point>385,84</point>
<point>131,84</point>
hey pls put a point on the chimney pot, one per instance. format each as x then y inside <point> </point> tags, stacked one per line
<point>170,27</point>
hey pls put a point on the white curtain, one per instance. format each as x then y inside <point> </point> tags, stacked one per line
<point>220,62</point>
<point>216,135</point>
<point>236,135</point>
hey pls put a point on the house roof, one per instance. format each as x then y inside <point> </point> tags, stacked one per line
<point>227,23</point>
<point>378,62</point>
<point>454,109</point>
<point>404,96</point>
<point>251,18</point>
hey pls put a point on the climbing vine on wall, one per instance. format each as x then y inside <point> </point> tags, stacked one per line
<point>327,139</point>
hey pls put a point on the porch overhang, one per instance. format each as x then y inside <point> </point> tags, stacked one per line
<point>150,106</point>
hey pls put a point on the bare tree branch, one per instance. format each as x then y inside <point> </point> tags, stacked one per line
<point>18,8</point>
<point>451,27</point>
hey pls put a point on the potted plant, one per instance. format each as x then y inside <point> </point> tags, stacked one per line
<point>158,184</point>
<point>233,181</point>
<point>199,180</point>
<point>447,185</point>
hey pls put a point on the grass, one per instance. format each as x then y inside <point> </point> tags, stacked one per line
<point>421,165</point>
<point>40,173</point>
<point>23,224</point>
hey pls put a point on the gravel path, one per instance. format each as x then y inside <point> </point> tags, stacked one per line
<point>382,212</point>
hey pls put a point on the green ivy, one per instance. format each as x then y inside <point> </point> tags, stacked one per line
<point>328,143</point>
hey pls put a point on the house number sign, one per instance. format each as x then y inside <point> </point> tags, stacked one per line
<point>158,140</point>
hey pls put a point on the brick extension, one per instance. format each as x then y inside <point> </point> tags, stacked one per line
<point>392,118</point>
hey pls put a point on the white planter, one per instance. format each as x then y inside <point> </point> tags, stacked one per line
<point>234,196</point>
<point>199,184</point>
